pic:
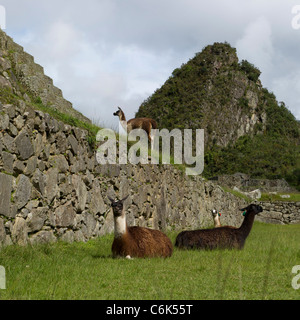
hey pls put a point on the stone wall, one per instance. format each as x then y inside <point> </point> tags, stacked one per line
<point>51,186</point>
<point>280,212</point>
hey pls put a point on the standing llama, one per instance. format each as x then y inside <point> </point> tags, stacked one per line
<point>223,237</point>
<point>146,124</point>
<point>137,241</point>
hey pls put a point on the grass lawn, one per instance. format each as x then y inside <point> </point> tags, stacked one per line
<point>277,197</point>
<point>262,270</point>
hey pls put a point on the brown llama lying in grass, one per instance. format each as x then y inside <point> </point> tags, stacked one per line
<point>137,241</point>
<point>222,237</point>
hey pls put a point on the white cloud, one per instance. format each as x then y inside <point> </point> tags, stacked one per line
<point>289,83</point>
<point>104,53</point>
<point>63,40</point>
<point>276,60</point>
<point>256,45</point>
<point>96,76</point>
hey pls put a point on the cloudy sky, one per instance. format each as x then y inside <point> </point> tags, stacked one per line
<point>108,53</point>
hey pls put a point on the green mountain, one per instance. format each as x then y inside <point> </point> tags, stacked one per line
<point>246,128</point>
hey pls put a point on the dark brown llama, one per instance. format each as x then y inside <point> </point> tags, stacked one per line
<point>222,237</point>
<point>137,241</point>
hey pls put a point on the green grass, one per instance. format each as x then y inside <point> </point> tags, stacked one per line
<point>294,197</point>
<point>91,128</point>
<point>262,270</point>
<point>237,194</point>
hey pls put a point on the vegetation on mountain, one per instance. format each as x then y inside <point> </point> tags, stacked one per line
<point>246,128</point>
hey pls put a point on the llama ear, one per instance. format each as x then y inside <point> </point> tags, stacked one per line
<point>244,209</point>
<point>119,108</point>
<point>125,198</point>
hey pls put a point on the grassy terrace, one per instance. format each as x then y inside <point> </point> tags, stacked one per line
<point>294,197</point>
<point>262,270</point>
<point>7,96</point>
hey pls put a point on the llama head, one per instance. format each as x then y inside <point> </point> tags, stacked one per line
<point>215,213</point>
<point>117,206</point>
<point>118,112</point>
<point>252,208</point>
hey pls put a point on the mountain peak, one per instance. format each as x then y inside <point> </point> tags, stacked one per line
<point>212,91</point>
<point>215,92</point>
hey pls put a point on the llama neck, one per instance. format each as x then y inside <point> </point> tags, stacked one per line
<point>124,124</point>
<point>247,224</point>
<point>122,117</point>
<point>122,120</point>
<point>217,221</point>
<point>120,226</point>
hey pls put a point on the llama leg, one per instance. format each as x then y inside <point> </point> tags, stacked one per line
<point>152,142</point>
<point>151,138</point>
